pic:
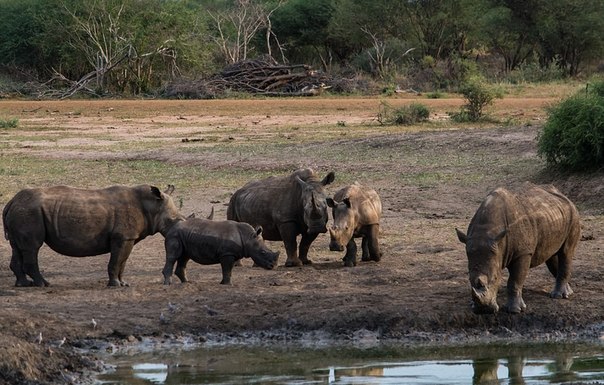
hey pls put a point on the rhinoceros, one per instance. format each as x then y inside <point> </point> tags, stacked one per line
<point>356,211</point>
<point>518,231</point>
<point>78,223</point>
<point>285,206</point>
<point>209,242</point>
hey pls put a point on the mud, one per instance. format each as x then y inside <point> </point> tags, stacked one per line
<point>430,179</point>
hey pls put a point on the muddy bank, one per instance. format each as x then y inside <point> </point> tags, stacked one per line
<point>430,180</point>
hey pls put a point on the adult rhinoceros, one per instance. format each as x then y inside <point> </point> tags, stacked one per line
<point>520,230</point>
<point>78,223</point>
<point>285,206</point>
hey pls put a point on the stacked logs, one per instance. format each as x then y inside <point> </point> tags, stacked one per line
<point>257,76</point>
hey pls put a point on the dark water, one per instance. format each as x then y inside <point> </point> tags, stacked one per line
<point>503,364</point>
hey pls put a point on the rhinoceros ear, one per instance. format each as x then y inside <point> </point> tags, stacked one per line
<point>461,236</point>
<point>211,214</point>
<point>191,216</point>
<point>347,202</point>
<point>500,235</point>
<point>331,203</point>
<point>155,191</point>
<point>301,182</point>
<point>329,178</point>
<point>258,230</point>
<point>169,189</point>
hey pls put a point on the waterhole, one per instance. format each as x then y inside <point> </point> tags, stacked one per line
<point>553,363</point>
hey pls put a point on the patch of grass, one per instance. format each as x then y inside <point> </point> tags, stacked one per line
<point>435,95</point>
<point>9,123</point>
<point>18,172</point>
<point>406,115</point>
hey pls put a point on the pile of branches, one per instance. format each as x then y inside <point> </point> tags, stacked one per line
<point>259,76</point>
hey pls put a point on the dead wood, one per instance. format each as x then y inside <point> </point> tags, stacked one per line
<point>262,76</point>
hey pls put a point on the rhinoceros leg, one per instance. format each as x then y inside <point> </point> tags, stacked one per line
<point>226,262</point>
<point>518,272</point>
<point>365,256</point>
<point>289,234</point>
<point>29,261</point>
<point>120,251</point>
<point>350,258</point>
<point>560,267</point>
<point>33,271</point>
<point>373,247</point>
<point>16,265</point>
<point>305,243</point>
<point>181,269</point>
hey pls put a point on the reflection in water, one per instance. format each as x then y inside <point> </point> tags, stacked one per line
<point>488,371</point>
<point>483,366</point>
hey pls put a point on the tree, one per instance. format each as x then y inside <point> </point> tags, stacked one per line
<point>301,25</point>
<point>441,27</point>
<point>570,32</point>
<point>508,28</point>
<point>237,27</point>
<point>133,45</point>
<point>32,36</point>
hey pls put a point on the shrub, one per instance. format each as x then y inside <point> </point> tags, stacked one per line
<point>435,95</point>
<point>478,96</point>
<point>573,136</point>
<point>9,123</point>
<point>406,115</point>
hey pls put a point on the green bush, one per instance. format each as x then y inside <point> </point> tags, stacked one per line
<point>9,123</point>
<point>406,115</point>
<point>478,96</point>
<point>435,95</point>
<point>573,136</point>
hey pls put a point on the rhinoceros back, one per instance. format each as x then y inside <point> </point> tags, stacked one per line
<point>265,203</point>
<point>76,222</point>
<point>538,220</point>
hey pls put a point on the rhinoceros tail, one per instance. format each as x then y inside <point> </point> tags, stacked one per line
<point>4,221</point>
<point>231,209</point>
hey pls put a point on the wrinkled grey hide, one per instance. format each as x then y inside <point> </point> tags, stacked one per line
<point>285,207</point>
<point>79,223</point>
<point>210,242</point>
<point>520,230</point>
<point>356,211</point>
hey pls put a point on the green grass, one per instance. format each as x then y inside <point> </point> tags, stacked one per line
<point>18,172</point>
<point>9,123</point>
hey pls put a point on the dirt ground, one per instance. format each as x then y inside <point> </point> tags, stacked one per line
<point>431,180</point>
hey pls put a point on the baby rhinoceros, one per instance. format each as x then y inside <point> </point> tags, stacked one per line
<point>210,242</point>
<point>519,230</point>
<point>356,213</point>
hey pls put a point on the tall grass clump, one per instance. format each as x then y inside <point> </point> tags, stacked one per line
<point>9,123</point>
<point>406,115</point>
<point>573,136</point>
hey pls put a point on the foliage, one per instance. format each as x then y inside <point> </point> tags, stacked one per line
<point>435,95</point>
<point>573,136</point>
<point>570,32</point>
<point>478,96</point>
<point>508,27</point>
<point>9,123</point>
<point>406,115</point>
<point>301,29</point>
<point>434,44</point>
<point>532,72</point>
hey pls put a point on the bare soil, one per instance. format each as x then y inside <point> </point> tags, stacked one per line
<point>431,179</point>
